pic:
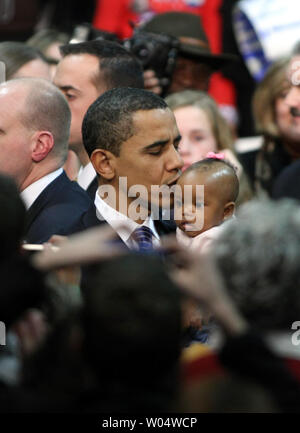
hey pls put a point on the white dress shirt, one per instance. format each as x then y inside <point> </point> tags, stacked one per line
<point>86,175</point>
<point>123,225</point>
<point>31,193</point>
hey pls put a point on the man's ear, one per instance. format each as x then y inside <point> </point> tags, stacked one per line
<point>42,144</point>
<point>104,163</point>
<point>228,210</point>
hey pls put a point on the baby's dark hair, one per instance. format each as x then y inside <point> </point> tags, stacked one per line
<point>214,164</point>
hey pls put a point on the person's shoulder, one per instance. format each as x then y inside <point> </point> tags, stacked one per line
<point>287,183</point>
<point>87,220</point>
<point>69,191</point>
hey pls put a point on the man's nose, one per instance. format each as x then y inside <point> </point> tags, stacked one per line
<point>175,161</point>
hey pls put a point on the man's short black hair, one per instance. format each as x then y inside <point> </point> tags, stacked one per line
<point>119,67</point>
<point>108,122</point>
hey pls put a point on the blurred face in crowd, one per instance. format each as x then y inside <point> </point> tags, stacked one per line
<point>283,116</point>
<point>53,54</point>
<point>35,69</point>
<point>190,74</point>
<point>15,138</point>
<point>76,77</point>
<point>197,135</point>
<point>292,101</point>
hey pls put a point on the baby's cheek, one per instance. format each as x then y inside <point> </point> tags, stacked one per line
<point>199,217</point>
<point>190,213</point>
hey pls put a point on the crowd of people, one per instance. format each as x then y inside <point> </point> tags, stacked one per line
<point>146,264</point>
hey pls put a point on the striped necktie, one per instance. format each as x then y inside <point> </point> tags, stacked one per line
<point>143,237</point>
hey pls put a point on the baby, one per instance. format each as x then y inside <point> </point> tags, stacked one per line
<point>199,216</point>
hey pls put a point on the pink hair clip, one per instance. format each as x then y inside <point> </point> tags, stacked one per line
<point>215,155</point>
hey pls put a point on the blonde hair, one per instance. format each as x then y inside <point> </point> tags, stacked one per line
<point>201,100</point>
<point>272,86</point>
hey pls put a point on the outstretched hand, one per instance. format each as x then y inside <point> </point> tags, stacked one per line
<point>92,245</point>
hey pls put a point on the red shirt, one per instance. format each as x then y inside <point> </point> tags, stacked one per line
<point>115,16</point>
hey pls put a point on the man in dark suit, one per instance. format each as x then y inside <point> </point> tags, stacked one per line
<point>86,71</point>
<point>132,139</point>
<point>34,132</point>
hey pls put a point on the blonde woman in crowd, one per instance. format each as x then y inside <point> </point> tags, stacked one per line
<point>280,129</point>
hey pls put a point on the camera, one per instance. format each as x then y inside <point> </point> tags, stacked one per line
<point>155,51</point>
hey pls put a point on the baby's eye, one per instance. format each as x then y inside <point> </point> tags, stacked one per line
<point>199,204</point>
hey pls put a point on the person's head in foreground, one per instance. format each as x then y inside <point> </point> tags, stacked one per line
<point>258,256</point>
<point>122,352</point>
<point>207,208</point>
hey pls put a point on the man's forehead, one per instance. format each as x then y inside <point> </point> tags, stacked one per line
<point>78,65</point>
<point>156,115</point>
<point>155,125</point>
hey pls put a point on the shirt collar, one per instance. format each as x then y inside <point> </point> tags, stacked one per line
<point>123,225</point>
<point>86,175</point>
<point>31,193</point>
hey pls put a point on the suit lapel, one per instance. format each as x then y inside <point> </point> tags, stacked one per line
<point>43,199</point>
<point>90,219</point>
<point>91,190</point>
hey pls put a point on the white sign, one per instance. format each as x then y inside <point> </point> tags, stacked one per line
<point>271,27</point>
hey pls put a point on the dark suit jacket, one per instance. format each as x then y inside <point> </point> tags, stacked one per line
<point>92,188</point>
<point>56,210</point>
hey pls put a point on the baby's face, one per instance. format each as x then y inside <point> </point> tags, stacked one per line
<point>197,212</point>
